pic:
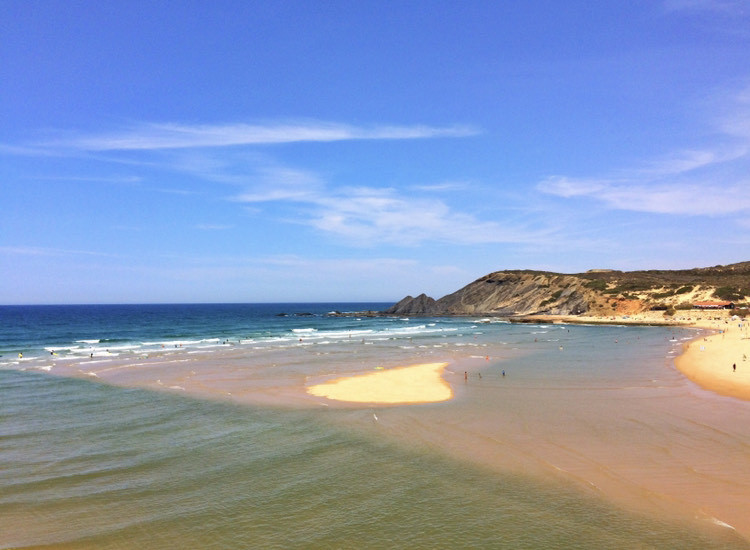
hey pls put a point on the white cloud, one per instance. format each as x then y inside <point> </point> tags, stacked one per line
<point>687,199</point>
<point>572,187</point>
<point>373,216</point>
<point>711,180</point>
<point>689,160</point>
<point>443,187</point>
<point>728,7</point>
<point>46,251</point>
<point>180,136</point>
<point>736,122</point>
<point>276,183</point>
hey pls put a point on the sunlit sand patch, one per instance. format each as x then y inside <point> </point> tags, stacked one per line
<point>403,385</point>
<point>719,362</point>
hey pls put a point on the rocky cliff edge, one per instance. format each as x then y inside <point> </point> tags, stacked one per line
<point>597,292</point>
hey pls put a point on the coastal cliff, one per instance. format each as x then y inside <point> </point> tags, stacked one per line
<point>597,292</point>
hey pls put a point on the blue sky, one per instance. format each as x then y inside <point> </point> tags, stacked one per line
<point>313,151</point>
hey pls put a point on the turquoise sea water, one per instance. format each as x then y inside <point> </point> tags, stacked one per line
<point>84,464</point>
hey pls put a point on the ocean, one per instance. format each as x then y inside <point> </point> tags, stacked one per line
<point>187,426</point>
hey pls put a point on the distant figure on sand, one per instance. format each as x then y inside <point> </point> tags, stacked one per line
<point>734,367</point>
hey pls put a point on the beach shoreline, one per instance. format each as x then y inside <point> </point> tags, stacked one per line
<point>719,361</point>
<point>497,422</point>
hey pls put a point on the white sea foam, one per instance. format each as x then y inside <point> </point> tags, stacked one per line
<point>717,521</point>
<point>347,333</point>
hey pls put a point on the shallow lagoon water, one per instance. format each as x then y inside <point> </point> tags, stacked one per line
<point>91,466</point>
<point>588,446</point>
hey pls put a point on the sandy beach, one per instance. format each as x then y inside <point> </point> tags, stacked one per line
<point>402,385</point>
<point>719,362</point>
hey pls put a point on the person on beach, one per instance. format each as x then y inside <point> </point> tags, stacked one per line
<point>734,367</point>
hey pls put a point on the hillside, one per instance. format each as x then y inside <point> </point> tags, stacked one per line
<point>596,292</point>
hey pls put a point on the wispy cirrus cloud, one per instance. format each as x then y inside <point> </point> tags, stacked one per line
<point>374,216</point>
<point>685,161</point>
<point>213,226</point>
<point>41,251</point>
<point>711,180</point>
<point>687,199</point>
<point>279,183</point>
<point>445,186</point>
<point>152,136</point>
<point>721,6</point>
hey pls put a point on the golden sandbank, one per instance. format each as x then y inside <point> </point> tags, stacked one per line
<point>402,385</point>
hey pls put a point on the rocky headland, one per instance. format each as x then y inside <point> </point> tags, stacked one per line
<point>598,293</point>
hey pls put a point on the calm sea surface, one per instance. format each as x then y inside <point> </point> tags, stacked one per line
<point>187,426</point>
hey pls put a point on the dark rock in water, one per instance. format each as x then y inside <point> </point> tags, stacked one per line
<point>303,314</point>
<point>421,305</point>
<point>282,315</point>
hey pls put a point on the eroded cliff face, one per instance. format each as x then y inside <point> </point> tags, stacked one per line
<point>599,292</point>
<point>507,294</point>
